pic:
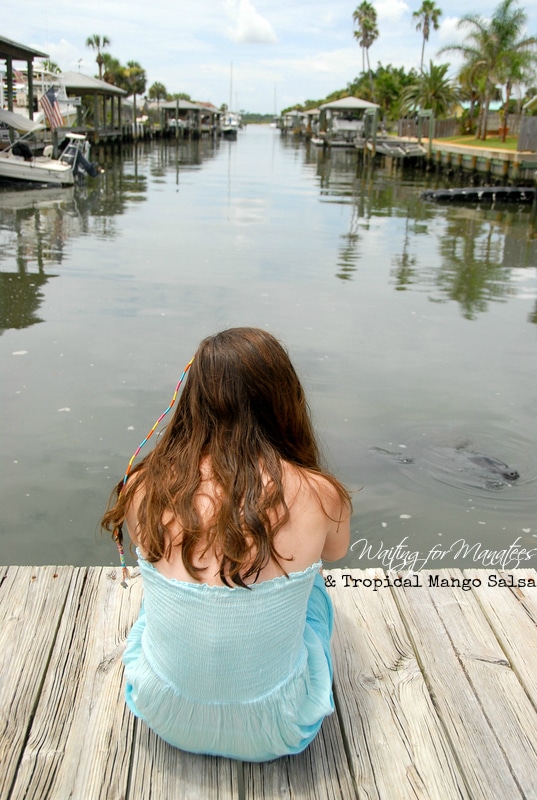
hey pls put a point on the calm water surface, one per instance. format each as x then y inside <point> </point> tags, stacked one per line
<point>413,327</point>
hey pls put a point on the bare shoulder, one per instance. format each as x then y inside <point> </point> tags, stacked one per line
<point>306,485</point>
<point>319,502</point>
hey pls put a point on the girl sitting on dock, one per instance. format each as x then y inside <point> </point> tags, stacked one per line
<point>231,515</point>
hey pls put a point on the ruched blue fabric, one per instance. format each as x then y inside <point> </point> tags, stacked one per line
<point>241,673</point>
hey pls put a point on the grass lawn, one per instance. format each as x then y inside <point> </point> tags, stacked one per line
<point>492,142</point>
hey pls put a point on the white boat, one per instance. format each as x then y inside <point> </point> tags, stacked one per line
<point>18,162</point>
<point>396,148</point>
<point>230,125</point>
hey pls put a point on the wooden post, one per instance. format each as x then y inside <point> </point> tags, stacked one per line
<point>134,118</point>
<point>29,67</point>
<point>9,69</point>
<point>96,122</point>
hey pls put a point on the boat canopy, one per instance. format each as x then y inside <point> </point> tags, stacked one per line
<point>348,104</point>
<point>18,122</point>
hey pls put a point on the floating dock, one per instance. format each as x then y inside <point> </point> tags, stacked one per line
<point>483,194</point>
<point>435,688</point>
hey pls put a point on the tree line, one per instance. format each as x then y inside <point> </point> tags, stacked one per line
<point>497,57</point>
<point>131,77</point>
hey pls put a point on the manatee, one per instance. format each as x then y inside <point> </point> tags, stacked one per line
<point>396,456</point>
<point>462,463</point>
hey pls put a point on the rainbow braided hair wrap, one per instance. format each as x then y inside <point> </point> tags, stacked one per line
<point>118,533</point>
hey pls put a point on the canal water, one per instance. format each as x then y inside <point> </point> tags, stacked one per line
<point>413,327</point>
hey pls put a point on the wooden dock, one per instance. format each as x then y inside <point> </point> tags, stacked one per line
<point>435,688</point>
<point>505,165</point>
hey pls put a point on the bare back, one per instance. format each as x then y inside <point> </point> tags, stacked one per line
<point>318,527</point>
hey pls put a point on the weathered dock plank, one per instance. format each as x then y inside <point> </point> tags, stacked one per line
<point>478,697</point>
<point>171,773</point>
<point>31,608</point>
<point>321,772</point>
<point>514,630</point>
<point>396,742</point>
<point>80,739</point>
<point>435,686</point>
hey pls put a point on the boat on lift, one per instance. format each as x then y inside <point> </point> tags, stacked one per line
<point>18,162</point>
<point>396,147</point>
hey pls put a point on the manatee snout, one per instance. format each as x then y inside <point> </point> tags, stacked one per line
<point>494,465</point>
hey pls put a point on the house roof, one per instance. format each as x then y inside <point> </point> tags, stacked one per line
<point>348,104</point>
<point>184,105</point>
<point>19,52</point>
<point>85,84</point>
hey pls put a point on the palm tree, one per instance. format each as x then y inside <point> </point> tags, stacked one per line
<point>365,18</point>
<point>50,66</point>
<point>426,16</point>
<point>432,90</point>
<point>113,71</point>
<point>157,91</point>
<point>97,42</point>
<point>472,79</point>
<point>134,81</point>
<point>496,47</point>
<point>388,83</point>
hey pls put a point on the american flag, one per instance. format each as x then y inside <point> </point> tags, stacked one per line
<point>51,109</point>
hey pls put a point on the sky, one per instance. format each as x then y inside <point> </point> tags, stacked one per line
<point>263,55</point>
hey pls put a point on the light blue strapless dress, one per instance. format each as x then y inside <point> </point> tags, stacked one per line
<point>241,673</point>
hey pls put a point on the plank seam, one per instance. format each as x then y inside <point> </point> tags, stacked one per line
<point>344,738</point>
<point>3,572</point>
<point>131,759</point>
<point>241,792</point>
<point>429,687</point>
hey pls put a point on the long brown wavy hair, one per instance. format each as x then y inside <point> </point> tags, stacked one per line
<point>243,409</point>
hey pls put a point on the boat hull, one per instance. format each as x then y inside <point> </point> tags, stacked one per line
<point>396,148</point>
<point>230,133</point>
<point>38,170</point>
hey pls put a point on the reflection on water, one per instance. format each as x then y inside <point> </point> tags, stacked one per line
<point>412,325</point>
<point>478,247</point>
<point>36,224</point>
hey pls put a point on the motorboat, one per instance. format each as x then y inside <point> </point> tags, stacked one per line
<point>396,148</point>
<point>230,125</point>
<point>19,163</point>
